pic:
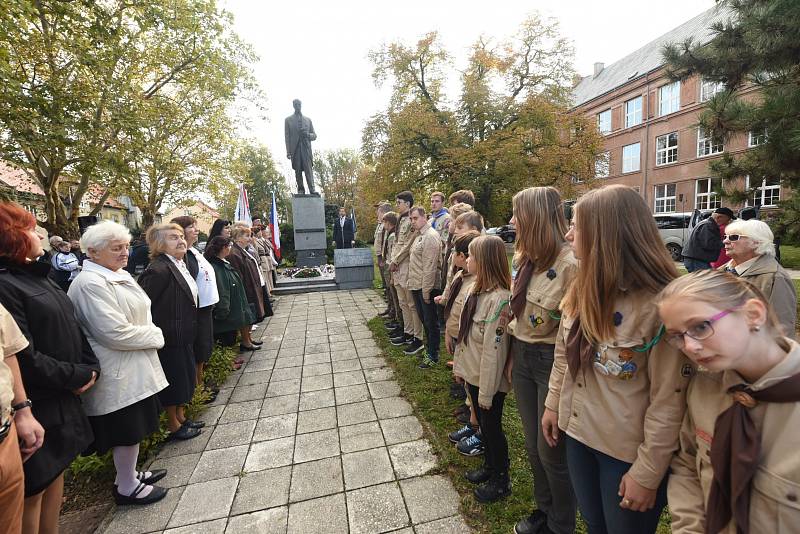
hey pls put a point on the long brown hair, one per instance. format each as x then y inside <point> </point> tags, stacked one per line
<point>540,225</point>
<point>489,254</point>
<point>620,250</point>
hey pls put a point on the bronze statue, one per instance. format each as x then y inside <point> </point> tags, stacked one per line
<point>299,133</point>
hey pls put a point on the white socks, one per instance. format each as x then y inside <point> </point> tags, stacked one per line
<point>125,464</point>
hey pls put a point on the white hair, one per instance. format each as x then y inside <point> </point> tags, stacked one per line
<point>757,232</point>
<point>100,235</point>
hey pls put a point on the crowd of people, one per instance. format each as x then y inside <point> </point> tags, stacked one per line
<point>92,358</point>
<point>636,387</point>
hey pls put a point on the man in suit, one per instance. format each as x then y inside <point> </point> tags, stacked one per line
<point>344,231</point>
<point>299,133</point>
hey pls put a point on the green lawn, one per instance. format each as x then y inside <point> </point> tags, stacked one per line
<point>790,257</point>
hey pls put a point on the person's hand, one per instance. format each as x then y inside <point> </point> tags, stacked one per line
<point>449,344</point>
<point>509,366</point>
<point>288,156</point>
<point>458,379</point>
<point>393,267</point>
<point>87,385</point>
<point>30,433</point>
<point>437,299</point>
<point>635,496</point>
<point>426,300</point>
<point>381,263</point>
<point>550,427</point>
<point>352,243</point>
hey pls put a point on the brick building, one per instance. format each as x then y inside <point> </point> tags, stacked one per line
<point>651,139</point>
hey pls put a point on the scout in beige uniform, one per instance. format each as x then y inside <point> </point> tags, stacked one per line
<point>395,323</point>
<point>737,469</point>
<point>545,268</point>
<point>378,245</point>
<point>616,389</point>
<point>481,350</point>
<point>398,265</point>
<point>466,221</point>
<point>423,278</point>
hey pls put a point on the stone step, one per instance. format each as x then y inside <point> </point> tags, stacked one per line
<point>319,280</point>
<point>293,289</point>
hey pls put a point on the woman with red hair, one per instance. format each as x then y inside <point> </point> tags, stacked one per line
<point>56,366</point>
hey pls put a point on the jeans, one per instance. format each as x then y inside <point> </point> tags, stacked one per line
<point>552,489</point>
<point>596,477</point>
<point>491,423</point>
<point>430,322</point>
<point>693,265</point>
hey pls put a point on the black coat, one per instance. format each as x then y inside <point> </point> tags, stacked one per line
<point>57,361</point>
<point>248,271</point>
<point>344,237</point>
<point>704,242</point>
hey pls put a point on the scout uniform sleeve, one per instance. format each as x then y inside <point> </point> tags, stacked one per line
<point>12,339</point>
<point>403,244</point>
<point>558,372</point>
<point>494,353</point>
<point>684,492</point>
<point>378,244</point>
<point>662,420</point>
<point>431,253</point>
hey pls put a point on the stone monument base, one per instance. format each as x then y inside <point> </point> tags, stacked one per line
<point>308,219</point>
<point>354,268</point>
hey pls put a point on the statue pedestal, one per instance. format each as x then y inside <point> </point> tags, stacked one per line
<point>354,268</point>
<point>308,219</point>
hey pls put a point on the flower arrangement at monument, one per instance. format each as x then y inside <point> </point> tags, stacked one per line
<point>308,272</point>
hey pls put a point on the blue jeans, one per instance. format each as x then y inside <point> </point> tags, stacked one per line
<point>595,478</point>
<point>693,265</point>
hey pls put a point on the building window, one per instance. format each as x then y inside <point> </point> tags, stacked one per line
<point>706,144</point>
<point>631,157</point>
<point>765,195</point>
<point>633,112</point>
<point>604,121</point>
<point>705,195</point>
<point>667,148</point>
<point>709,89</point>
<point>669,98</point>
<point>755,138</point>
<point>665,198</point>
<point>602,165</point>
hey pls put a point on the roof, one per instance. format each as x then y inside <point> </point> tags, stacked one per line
<point>18,180</point>
<point>649,57</point>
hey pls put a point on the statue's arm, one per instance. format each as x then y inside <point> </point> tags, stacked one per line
<point>287,135</point>
<point>312,135</point>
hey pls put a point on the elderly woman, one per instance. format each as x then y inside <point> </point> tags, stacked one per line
<point>232,312</point>
<point>114,313</point>
<point>173,293</point>
<point>207,295</point>
<point>749,245</point>
<point>245,263</point>
<point>56,367</point>
<point>265,259</point>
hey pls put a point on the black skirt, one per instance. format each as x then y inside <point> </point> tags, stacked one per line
<point>204,341</point>
<point>177,361</point>
<point>126,426</point>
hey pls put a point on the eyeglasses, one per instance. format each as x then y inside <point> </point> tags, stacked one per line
<point>734,237</point>
<point>700,331</point>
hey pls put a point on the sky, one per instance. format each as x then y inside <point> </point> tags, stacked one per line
<point>317,50</point>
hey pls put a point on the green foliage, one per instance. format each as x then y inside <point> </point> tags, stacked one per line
<point>288,254</point>
<point>219,365</point>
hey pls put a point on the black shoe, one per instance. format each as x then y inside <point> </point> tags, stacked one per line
<point>257,343</point>
<point>536,523</point>
<point>479,475</point>
<point>397,332</point>
<point>194,424</point>
<point>155,476</point>
<point>457,391</point>
<point>463,418</point>
<point>385,313</point>
<point>183,433</point>
<point>245,348</point>
<point>414,347</point>
<point>496,488</point>
<point>155,495</point>
<point>398,340</point>
<point>391,325</point>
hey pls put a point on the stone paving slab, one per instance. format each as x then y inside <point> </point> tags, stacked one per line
<point>311,435</point>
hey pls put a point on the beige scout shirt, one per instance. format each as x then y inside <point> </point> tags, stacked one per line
<point>403,241</point>
<point>441,225</point>
<point>377,244</point>
<point>11,342</point>
<point>449,274</point>
<point>775,495</point>
<point>388,246</point>
<point>634,415</point>
<point>424,268</point>
<point>481,361</point>
<point>452,325</point>
<point>539,324</point>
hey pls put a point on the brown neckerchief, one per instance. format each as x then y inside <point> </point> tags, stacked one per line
<point>458,282</point>
<point>735,451</point>
<point>465,321</point>
<point>518,296</point>
<point>579,350</point>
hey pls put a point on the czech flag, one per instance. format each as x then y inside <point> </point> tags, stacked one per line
<point>275,229</point>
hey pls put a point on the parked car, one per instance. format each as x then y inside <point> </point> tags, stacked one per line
<point>674,230</point>
<point>507,233</point>
<point>493,230</point>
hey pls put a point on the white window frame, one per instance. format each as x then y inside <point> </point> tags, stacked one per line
<point>708,89</point>
<point>708,199</point>
<point>706,146</point>
<point>756,139</point>
<point>628,159</point>
<point>631,115</point>
<point>600,121</point>
<point>669,98</point>
<point>602,165</point>
<point>764,191</point>
<point>668,199</point>
<point>666,154</point>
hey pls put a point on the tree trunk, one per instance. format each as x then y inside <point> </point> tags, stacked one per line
<point>148,216</point>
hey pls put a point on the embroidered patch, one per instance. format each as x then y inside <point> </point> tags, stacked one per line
<point>687,370</point>
<point>499,331</point>
<point>628,370</point>
<point>536,320</point>
<point>551,274</point>
<point>626,355</point>
<point>617,318</point>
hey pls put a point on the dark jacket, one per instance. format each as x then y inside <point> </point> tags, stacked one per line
<point>139,259</point>
<point>57,361</point>
<point>344,237</point>
<point>248,271</point>
<point>704,242</point>
<point>172,303</point>
<point>232,311</point>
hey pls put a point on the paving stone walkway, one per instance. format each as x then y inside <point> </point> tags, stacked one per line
<point>310,435</point>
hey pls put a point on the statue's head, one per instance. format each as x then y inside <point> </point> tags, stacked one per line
<point>296,104</point>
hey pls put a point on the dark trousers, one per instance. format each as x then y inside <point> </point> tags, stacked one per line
<point>693,265</point>
<point>596,477</point>
<point>553,489</point>
<point>430,322</point>
<point>491,423</point>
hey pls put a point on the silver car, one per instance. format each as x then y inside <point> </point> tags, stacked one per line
<point>674,230</point>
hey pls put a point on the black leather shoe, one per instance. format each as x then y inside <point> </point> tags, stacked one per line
<point>536,523</point>
<point>155,495</point>
<point>194,424</point>
<point>184,432</point>
<point>496,488</point>
<point>479,475</point>
<point>257,343</point>
<point>155,476</point>
<point>245,348</point>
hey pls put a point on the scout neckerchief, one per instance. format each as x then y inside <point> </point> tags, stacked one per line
<point>458,281</point>
<point>435,216</point>
<point>579,350</point>
<point>520,288</point>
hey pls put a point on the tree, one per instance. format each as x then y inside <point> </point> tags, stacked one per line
<point>757,47</point>
<point>338,172</point>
